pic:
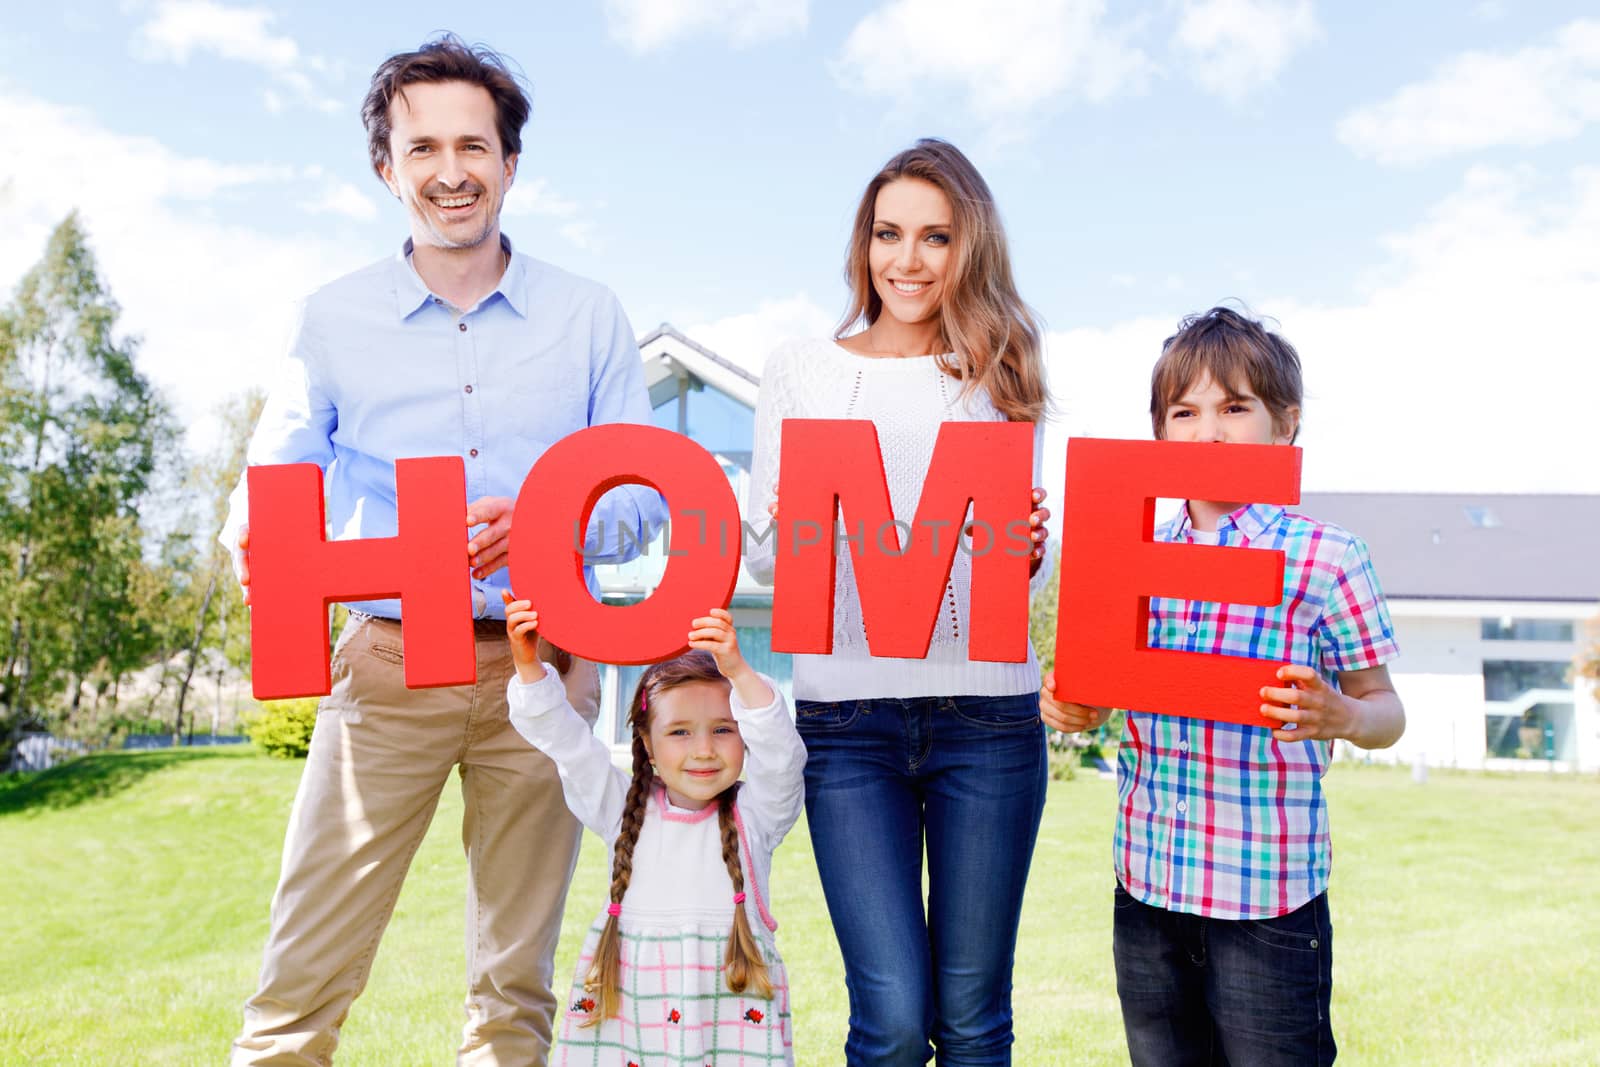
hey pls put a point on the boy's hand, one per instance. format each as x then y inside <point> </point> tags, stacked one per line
<point>522,630</point>
<point>1318,711</point>
<point>1065,716</point>
<point>714,633</point>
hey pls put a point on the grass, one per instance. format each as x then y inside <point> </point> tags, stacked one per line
<point>134,905</point>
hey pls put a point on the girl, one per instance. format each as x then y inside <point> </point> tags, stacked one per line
<point>681,967</point>
<point>940,753</point>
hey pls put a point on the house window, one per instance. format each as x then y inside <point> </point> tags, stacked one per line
<point>1506,628</point>
<point>1508,679</point>
<point>1543,731</point>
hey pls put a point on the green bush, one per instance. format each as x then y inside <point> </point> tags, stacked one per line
<point>282,728</point>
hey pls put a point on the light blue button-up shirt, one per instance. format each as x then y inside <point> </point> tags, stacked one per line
<point>381,369</point>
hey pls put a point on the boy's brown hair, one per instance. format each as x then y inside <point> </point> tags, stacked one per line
<point>1235,350</point>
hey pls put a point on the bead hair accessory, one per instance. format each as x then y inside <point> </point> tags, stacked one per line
<point>614,909</point>
<point>738,898</point>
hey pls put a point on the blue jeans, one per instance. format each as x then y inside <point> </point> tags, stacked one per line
<point>965,777</point>
<point>1200,992</point>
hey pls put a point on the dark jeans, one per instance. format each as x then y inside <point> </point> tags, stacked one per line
<point>965,777</point>
<point>1241,993</point>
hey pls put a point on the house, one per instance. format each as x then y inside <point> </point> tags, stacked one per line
<point>698,393</point>
<point>1492,598</point>
<point>1491,595</point>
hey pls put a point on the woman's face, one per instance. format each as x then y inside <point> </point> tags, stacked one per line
<point>910,248</point>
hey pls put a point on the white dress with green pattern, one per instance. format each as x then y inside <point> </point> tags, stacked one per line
<point>676,1007</point>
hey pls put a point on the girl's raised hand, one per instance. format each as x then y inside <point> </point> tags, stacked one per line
<point>714,633</point>
<point>522,630</point>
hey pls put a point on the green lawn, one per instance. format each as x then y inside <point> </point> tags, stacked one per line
<point>134,900</point>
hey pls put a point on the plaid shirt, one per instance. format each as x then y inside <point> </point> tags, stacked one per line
<point>1220,819</point>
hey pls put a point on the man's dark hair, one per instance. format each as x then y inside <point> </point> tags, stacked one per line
<point>445,59</point>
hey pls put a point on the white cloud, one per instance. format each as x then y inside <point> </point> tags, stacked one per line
<point>1003,58</point>
<point>581,234</point>
<point>180,28</point>
<point>1466,367</point>
<point>212,301</point>
<point>748,339</point>
<point>649,25</point>
<point>530,197</point>
<point>1236,46</point>
<point>1477,100</point>
<point>533,196</point>
<point>342,198</point>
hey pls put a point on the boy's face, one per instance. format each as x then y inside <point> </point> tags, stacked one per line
<point>1209,412</point>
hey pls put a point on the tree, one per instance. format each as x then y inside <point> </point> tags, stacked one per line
<point>1588,662</point>
<point>1042,616</point>
<point>215,480</point>
<point>82,432</point>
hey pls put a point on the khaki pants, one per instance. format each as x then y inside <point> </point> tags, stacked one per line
<point>379,757</point>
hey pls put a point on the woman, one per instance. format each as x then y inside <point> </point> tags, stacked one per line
<point>943,752</point>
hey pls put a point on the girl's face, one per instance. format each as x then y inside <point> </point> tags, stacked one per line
<point>695,743</point>
<point>910,248</point>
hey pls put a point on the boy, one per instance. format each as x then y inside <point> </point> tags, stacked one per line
<point>1221,935</point>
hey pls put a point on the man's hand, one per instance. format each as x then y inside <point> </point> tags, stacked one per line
<point>486,551</point>
<point>1065,716</point>
<point>241,562</point>
<point>522,630</point>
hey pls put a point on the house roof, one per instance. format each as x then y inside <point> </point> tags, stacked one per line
<point>666,343</point>
<point>1463,546</point>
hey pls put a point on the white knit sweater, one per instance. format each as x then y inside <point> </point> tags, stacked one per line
<point>906,399</point>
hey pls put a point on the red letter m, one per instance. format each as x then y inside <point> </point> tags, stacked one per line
<point>831,466</point>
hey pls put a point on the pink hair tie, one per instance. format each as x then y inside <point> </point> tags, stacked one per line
<point>613,909</point>
<point>738,898</point>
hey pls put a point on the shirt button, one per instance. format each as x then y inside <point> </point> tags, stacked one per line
<point>1183,746</point>
<point>461,326</point>
<point>474,452</point>
<point>1193,629</point>
<point>1183,806</point>
<point>469,388</point>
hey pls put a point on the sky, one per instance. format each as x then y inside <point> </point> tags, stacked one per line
<point>1410,192</point>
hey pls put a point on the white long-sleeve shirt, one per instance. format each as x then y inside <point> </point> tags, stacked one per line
<point>667,875</point>
<point>906,399</point>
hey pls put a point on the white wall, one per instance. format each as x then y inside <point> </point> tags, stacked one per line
<point>1439,676</point>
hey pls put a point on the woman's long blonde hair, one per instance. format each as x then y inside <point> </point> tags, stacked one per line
<point>742,965</point>
<point>993,335</point>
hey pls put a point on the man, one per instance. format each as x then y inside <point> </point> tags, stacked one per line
<point>456,346</point>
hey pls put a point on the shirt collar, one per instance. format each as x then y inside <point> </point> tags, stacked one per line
<point>1250,520</point>
<point>412,293</point>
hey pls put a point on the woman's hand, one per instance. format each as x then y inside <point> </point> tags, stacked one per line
<point>1038,530</point>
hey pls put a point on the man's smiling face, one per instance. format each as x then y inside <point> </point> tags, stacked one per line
<point>446,163</point>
